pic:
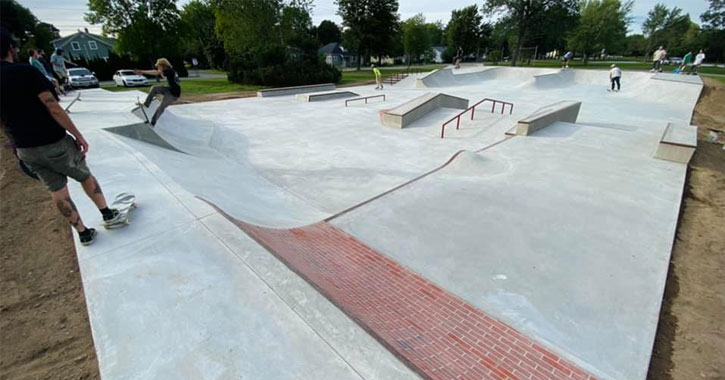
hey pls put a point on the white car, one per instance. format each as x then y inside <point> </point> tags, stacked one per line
<point>81,77</point>
<point>127,78</point>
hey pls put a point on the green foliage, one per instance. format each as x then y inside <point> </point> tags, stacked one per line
<point>271,43</point>
<point>602,25</point>
<point>523,16</point>
<point>372,26</point>
<point>635,45</point>
<point>328,32</point>
<point>31,33</point>
<point>437,33</point>
<point>145,29</point>
<point>715,15</point>
<point>465,30</point>
<point>416,41</point>
<point>198,38</point>
<point>667,27</point>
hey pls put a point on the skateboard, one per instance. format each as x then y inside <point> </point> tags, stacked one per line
<point>143,110</point>
<point>124,203</point>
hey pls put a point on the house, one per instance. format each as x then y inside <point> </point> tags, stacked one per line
<point>85,45</point>
<point>438,52</point>
<point>336,55</point>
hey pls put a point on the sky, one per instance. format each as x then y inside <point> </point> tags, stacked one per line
<point>67,15</point>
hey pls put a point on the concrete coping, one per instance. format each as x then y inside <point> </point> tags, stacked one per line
<point>281,91</point>
<point>678,143</point>
<point>326,95</point>
<point>565,111</point>
<point>410,111</point>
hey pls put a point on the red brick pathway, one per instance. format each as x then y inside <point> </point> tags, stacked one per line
<point>432,331</point>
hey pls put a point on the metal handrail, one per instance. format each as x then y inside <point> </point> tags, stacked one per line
<point>364,98</point>
<point>473,112</point>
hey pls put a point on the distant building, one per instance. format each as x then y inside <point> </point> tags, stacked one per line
<point>336,55</point>
<point>85,45</point>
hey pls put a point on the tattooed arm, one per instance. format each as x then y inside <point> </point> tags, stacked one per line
<point>62,118</point>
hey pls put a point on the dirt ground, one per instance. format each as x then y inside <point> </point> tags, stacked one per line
<point>44,329</point>
<point>45,333</point>
<point>690,340</point>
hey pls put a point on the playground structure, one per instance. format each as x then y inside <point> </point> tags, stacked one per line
<point>480,255</point>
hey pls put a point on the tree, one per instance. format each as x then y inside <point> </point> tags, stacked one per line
<point>665,27</point>
<point>416,41</point>
<point>436,32</point>
<point>372,26</point>
<point>602,25</point>
<point>199,37</point>
<point>145,29</point>
<point>328,32</point>
<point>522,14</point>
<point>715,15</point>
<point>713,32</point>
<point>271,42</point>
<point>30,32</point>
<point>635,45</point>
<point>464,30</point>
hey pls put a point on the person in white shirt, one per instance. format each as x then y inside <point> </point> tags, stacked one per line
<point>657,58</point>
<point>615,74</point>
<point>698,61</point>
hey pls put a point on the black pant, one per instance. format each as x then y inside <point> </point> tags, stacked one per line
<point>616,80</point>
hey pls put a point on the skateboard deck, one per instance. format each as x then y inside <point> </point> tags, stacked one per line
<point>143,110</point>
<point>124,203</point>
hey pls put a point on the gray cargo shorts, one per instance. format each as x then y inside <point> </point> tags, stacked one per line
<point>55,162</point>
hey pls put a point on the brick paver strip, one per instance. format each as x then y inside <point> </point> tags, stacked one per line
<point>432,331</point>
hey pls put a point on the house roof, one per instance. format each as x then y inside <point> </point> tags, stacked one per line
<point>334,48</point>
<point>60,42</point>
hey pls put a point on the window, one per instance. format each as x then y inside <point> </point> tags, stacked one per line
<point>75,45</point>
<point>93,45</point>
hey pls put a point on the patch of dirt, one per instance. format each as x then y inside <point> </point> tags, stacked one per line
<point>44,329</point>
<point>690,341</point>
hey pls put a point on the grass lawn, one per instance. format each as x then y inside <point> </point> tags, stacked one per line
<point>202,86</point>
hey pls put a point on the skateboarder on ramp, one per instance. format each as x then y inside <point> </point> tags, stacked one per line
<point>39,128</point>
<point>170,93</point>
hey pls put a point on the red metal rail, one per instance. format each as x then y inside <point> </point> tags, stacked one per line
<point>472,108</point>
<point>365,99</point>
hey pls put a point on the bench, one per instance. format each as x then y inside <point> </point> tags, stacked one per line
<point>282,91</point>
<point>678,143</point>
<point>407,113</point>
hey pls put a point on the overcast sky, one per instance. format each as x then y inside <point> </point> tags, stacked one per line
<point>67,15</point>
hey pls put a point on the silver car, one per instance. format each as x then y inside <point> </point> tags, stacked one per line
<point>127,78</point>
<point>82,77</point>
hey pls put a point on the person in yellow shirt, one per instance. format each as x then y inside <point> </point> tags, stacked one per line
<point>378,77</point>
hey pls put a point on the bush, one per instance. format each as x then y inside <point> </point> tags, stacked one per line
<point>272,68</point>
<point>495,57</point>
<point>104,69</point>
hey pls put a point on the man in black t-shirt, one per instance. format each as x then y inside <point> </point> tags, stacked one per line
<point>170,94</point>
<point>38,126</point>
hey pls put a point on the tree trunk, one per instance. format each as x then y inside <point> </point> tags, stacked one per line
<point>519,42</point>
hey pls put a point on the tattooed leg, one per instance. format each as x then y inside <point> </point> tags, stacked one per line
<point>68,209</point>
<point>93,190</point>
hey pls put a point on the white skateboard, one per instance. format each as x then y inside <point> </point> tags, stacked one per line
<point>124,203</point>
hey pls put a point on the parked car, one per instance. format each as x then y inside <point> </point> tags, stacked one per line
<point>82,77</point>
<point>672,61</point>
<point>127,78</point>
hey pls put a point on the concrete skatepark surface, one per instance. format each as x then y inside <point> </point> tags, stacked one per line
<point>551,233</point>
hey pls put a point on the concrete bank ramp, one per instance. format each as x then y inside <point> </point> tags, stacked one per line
<point>691,79</point>
<point>408,112</point>
<point>563,111</point>
<point>678,143</point>
<point>450,77</point>
<point>326,95</point>
<point>144,133</point>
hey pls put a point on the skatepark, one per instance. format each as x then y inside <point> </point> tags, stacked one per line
<point>332,239</point>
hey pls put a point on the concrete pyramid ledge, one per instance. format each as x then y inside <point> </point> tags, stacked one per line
<point>408,112</point>
<point>678,143</point>
<point>565,110</point>
<point>326,95</point>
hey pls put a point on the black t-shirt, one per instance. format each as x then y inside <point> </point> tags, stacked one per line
<point>173,79</point>
<point>25,118</point>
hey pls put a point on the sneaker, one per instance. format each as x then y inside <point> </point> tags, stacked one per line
<point>115,218</point>
<point>87,236</point>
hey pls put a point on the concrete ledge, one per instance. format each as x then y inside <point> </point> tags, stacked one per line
<point>678,143</point>
<point>282,91</point>
<point>407,113</point>
<point>566,111</point>
<point>328,95</point>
